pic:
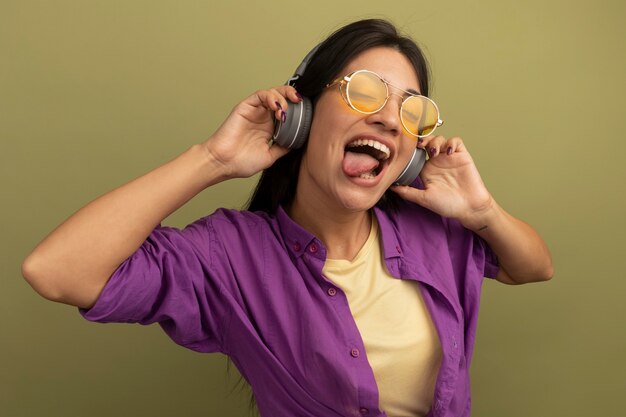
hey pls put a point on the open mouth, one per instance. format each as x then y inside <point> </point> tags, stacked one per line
<point>364,158</point>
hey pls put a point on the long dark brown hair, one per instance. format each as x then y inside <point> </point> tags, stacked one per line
<point>277,185</point>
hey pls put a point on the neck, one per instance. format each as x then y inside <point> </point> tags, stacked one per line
<point>343,234</point>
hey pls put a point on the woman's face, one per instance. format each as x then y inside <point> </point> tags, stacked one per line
<point>332,175</point>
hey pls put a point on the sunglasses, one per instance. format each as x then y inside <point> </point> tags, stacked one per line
<point>366,92</point>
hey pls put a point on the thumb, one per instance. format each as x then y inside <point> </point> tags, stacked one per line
<point>278,151</point>
<point>411,194</point>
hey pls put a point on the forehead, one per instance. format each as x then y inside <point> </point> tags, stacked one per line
<point>393,66</point>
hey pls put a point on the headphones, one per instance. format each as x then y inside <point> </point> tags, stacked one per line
<point>294,131</point>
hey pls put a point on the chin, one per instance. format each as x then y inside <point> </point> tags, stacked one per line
<point>359,200</point>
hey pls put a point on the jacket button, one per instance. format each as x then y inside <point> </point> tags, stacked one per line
<point>363,410</point>
<point>355,353</point>
<point>332,292</point>
<point>297,247</point>
<point>313,248</point>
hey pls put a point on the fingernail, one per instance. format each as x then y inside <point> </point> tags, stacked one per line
<point>449,151</point>
<point>278,104</point>
<point>283,116</point>
<point>299,96</point>
<point>432,151</point>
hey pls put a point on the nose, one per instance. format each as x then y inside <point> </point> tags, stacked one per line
<point>388,118</point>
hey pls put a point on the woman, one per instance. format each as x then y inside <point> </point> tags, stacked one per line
<point>337,293</point>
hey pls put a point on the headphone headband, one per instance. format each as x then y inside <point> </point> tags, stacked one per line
<point>302,67</point>
<point>294,132</point>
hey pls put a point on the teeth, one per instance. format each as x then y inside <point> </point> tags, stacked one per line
<point>372,143</point>
<point>367,175</point>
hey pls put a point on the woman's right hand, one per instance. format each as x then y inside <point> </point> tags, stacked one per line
<point>241,144</point>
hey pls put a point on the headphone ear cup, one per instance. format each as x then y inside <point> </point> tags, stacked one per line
<point>294,131</point>
<point>413,168</point>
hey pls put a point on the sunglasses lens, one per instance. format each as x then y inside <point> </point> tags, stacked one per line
<point>366,92</point>
<point>419,115</point>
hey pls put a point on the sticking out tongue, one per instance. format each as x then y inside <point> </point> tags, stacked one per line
<point>355,164</point>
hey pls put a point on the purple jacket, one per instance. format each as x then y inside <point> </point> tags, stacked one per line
<point>250,285</point>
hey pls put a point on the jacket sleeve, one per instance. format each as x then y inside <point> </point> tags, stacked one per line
<point>168,280</point>
<point>481,259</point>
<point>486,257</point>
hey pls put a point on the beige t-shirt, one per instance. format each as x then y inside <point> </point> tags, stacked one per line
<point>400,339</point>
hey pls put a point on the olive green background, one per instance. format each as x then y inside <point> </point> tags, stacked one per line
<point>95,93</point>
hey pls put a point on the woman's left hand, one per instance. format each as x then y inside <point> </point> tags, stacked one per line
<point>452,185</point>
<point>453,188</point>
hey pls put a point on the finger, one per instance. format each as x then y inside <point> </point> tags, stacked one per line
<point>453,145</point>
<point>422,142</point>
<point>288,95</point>
<point>295,96</point>
<point>272,100</point>
<point>278,94</point>
<point>434,145</point>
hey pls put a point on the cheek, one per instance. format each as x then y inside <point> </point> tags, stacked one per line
<point>331,113</point>
<point>328,131</point>
<point>405,151</point>
<point>408,144</point>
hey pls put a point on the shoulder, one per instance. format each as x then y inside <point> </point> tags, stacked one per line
<point>426,234</point>
<point>414,222</point>
<point>221,223</point>
<point>237,219</point>
<point>414,216</point>
<point>241,227</point>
